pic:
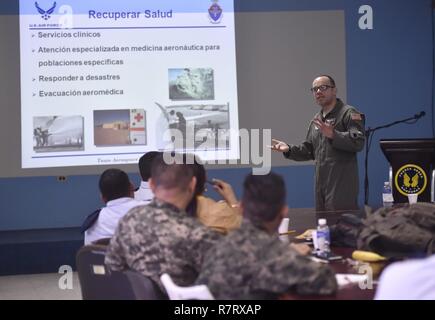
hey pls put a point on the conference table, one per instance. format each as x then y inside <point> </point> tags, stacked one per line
<point>302,219</point>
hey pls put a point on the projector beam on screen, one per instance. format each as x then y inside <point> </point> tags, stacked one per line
<point>102,82</point>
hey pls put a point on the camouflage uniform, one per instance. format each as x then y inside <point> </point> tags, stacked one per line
<point>336,175</point>
<point>159,238</point>
<point>251,264</point>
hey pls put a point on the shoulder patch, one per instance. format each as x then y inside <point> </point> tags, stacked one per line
<point>356,116</point>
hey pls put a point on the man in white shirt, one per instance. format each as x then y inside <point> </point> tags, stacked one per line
<point>117,193</point>
<point>144,192</point>
<point>408,280</point>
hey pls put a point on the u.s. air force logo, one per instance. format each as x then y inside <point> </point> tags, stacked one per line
<point>45,14</point>
<point>410,178</point>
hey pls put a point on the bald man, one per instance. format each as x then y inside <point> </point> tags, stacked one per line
<point>334,137</point>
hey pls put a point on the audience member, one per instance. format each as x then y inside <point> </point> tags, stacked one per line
<point>251,262</point>
<point>408,280</point>
<point>222,216</point>
<point>117,193</point>
<point>159,237</point>
<point>144,192</point>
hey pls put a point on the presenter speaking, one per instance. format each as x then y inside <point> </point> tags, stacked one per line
<point>334,137</point>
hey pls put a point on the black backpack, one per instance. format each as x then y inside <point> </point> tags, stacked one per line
<point>346,231</point>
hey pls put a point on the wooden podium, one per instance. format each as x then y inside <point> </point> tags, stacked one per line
<point>413,163</point>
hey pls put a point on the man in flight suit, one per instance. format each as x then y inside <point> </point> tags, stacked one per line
<point>334,137</point>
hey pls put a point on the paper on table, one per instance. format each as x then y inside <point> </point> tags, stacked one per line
<point>283,228</point>
<point>344,279</point>
<point>306,235</point>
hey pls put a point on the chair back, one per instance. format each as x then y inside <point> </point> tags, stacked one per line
<point>143,287</point>
<point>199,292</point>
<point>97,281</point>
<point>102,241</point>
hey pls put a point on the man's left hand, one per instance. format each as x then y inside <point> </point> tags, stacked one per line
<point>326,129</point>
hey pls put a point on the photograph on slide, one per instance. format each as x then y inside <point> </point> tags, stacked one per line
<point>119,127</point>
<point>58,133</point>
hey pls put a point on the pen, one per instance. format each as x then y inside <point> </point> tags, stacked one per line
<point>287,232</point>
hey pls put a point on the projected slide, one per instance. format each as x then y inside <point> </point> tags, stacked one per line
<point>103,82</point>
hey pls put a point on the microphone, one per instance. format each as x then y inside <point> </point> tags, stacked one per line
<point>419,115</point>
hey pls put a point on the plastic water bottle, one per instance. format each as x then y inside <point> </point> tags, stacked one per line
<point>323,239</point>
<point>387,195</point>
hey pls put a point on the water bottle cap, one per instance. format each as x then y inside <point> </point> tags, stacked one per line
<point>386,183</point>
<point>322,222</point>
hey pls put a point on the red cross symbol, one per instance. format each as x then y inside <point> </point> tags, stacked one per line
<point>138,117</point>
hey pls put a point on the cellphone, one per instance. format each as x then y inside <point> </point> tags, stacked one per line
<point>330,258</point>
<point>334,258</point>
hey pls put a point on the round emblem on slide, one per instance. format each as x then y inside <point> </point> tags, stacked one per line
<point>410,178</point>
<point>215,12</point>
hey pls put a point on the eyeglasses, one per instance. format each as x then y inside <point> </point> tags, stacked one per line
<point>322,88</point>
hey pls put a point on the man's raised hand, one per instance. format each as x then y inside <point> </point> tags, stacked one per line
<point>279,146</point>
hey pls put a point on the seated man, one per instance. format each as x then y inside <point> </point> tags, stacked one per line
<point>117,193</point>
<point>251,262</point>
<point>408,280</point>
<point>222,216</point>
<point>144,192</point>
<point>159,237</point>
